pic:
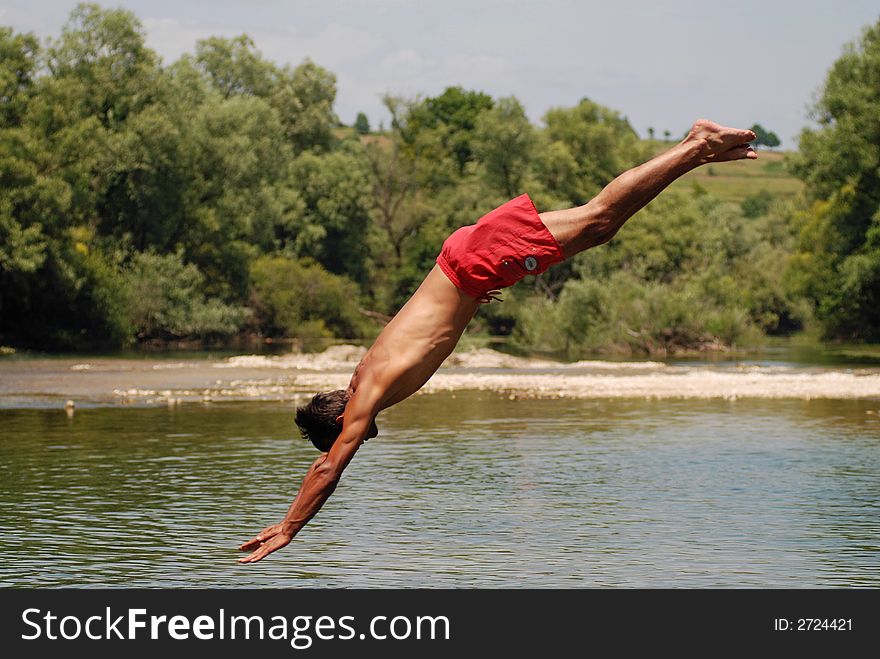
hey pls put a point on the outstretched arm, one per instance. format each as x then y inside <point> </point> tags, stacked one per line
<point>317,486</point>
<point>596,222</point>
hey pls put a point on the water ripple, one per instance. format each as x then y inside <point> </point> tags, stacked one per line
<point>478,490</point>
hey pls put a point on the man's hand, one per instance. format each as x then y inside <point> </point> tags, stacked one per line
<point>265,542</point>
<point>322,477</point>
<point>720,143</point>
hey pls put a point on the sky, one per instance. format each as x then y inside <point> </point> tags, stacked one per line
<point>661,63</point>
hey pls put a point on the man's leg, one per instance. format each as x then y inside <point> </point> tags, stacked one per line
<point>596,222</point>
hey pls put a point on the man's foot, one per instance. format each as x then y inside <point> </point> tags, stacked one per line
<point>719,143</point>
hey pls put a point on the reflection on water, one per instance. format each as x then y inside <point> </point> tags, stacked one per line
<point>470,489</point>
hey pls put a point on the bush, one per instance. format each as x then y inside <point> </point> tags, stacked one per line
<point>625,315</point>
<point>168,300</point>
<point>583,313</point>
<point>103,302</point>
<point>299,298</point>
<point>852,310</point>
<point>75,299</point>
<point>757,204</point>
<point>535,326</point>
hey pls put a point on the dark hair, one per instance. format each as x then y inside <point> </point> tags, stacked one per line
<point>317,418</point>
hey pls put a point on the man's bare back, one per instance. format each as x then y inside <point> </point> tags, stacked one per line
<point>417,340</point>
<point>425,331</point>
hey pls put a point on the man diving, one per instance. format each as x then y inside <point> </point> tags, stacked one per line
<point>475,262</point>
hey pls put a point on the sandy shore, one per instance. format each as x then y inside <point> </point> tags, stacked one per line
<point>45,382</point>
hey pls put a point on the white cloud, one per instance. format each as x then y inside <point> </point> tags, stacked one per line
<point>409,73</point>
<point>24,20</point>
<point>662,64</point>
<point>171,38</point>
<point>333,46</point>
<point>414,72</point>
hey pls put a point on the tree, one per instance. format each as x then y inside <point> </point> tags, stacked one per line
<point>102,66</point>
<point>63,287</point>
<point>451,117</point>
<point>234,66</point>
<point>299,298</point>
<point>151,201</point>
<point>304,99</point>
<point>599,141</point>
<point>303,96</point>
<point>18,66</point>
<point>839,260</point>
<point>362,124</point>
<point>760,134</point>
<point>393,179</point>
<point>764,137</point>
<point>502,144</point>
<point>336,223</point>
<point>168,300</point>
<point>239,197</point>
<point>22,246</point>
<point>650,133</point>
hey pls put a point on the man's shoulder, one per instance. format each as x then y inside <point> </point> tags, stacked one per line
<point>370,379</point>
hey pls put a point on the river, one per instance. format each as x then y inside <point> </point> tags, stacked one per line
<point>733,475</point>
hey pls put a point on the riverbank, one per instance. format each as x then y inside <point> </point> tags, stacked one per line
<point>294,377</point>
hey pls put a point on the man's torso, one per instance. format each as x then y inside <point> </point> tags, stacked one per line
<point>415,343</point>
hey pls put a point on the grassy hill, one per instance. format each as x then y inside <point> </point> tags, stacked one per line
<point>730,181</point>
<point>734,181</point>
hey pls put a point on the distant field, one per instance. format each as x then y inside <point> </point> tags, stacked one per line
<point>734,181</point>
<point>729,181</point>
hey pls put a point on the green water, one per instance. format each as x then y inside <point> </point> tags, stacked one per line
<point>470,489</point>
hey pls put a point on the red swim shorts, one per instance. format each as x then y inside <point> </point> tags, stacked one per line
<point>500,249</point>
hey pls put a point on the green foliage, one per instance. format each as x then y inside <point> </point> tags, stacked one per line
<point>300,299</point>
<point>590,144</point>
<point>757,204</point>
<point>448,119</point>
<point>851,309</point>
<point>763,137</point>
<point>219,194</point>
<point>362,124</point>
<point>302,97</point>
<point>71,297</point>
<point>18,65</point>
<point>22,250</point>
<point>168,300</point>
<point>689,273</point>
<point>583,309</point>
<point>840,163</point>
<point>503,145</point>
<point>234,67</point>
<point>336,220</point>
<point>102,66</point>
<point>103,300</point>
